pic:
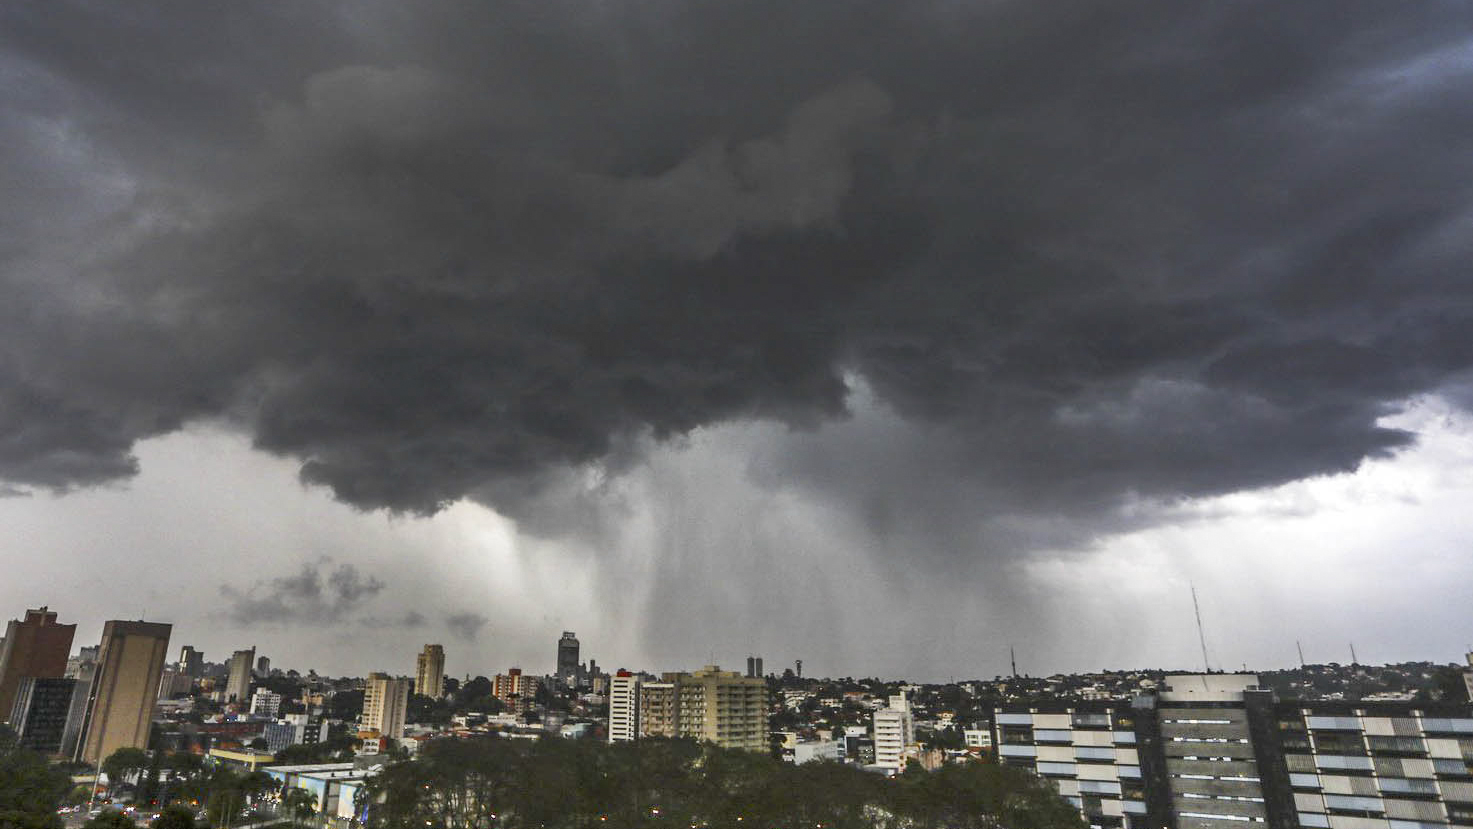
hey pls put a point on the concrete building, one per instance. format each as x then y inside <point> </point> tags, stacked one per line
<point>265,703</point>
<point>263,666</point>
<point>894,732</point>
<point>429,672</point>
<point>567,660</point>
<point>40,712</point>
<point>723,707</point>
<point>659,708</point>
<point>119,708</point>
<point>1217,751</point>
<point>623,707</point>
<point>754,666</point>
<point>295,729</point>
<point>385,703</point>
<point>515,689</point>
<point>809,751</point>
<point>191,661</point>
<point>238,686</point>
<point>34,646</point>
<point>174,682</point>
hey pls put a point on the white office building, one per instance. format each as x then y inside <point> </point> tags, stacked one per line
<point>623,707</point>
<point>894,732</point>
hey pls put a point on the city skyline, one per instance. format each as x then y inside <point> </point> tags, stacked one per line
<point>885,336</point>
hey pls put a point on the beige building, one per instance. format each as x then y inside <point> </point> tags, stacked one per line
<point>658,708</point>
<point>130,663</point>
<point>724,707</point>
<point>385,702</point>
<point>429,673</point>
<point>238,687</point>
<point>515,689</point>
<point>36,646</point>
<point>710,705</point>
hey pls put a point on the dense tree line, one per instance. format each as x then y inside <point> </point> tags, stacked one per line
<point>562,784</point>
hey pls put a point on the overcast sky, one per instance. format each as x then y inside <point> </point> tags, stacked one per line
<point>882,335</point>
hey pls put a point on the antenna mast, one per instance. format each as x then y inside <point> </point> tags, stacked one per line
<point>1013,656</point>
<point>1201,637</point>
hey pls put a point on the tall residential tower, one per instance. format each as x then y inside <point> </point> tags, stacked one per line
<point>429,673</point>
<point>120,702</point>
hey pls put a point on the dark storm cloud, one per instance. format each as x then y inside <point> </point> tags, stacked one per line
<point>303,597</point>
<point>466,625</point>
<point>1086,252</point>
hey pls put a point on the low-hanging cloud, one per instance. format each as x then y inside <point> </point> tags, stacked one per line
<point>1080,254</point>
<point>466,624</point>
<point>303,597</point>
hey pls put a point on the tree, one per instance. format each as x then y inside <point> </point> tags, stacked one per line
<point>345,705</point>
<point>123,763</point>
<point>110,819</point>
<point>174,817</point>
<point>300,804</point>
<point>30,789</point>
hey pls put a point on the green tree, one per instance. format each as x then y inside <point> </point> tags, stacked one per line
<point>299,804</point>
<point>110,819</point>
<point>124,763</point>
<point>174,817</point>
<point>31,790</point>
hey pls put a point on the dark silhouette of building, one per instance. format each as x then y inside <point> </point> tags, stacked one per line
<point>567,660</point>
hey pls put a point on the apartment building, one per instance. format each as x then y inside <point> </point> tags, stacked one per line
<point>1216,751</point>
<point>723,707</point>
<point>894,732</point>
<point>623,707</point>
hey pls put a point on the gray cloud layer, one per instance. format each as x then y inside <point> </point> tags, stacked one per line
<point>1085,252</point>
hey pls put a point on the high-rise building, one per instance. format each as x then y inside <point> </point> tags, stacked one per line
<point>894,732</point>
<point>263,667</point>
<point>659,708</point>
<point>723,707</point>
<point>754,666</point>
<point>567,660</point>
<point>385,702</point>
<point>238,686</point>
<point>623,707</point>
<point>191,661</point>
<point>514,688</point>
<point>429,672</point>
<point>77,710</point>
<point>265,703</point>
<point>36,646</point>
<point>84,656</point>
<point>40,712</point>
<point>119,710</point>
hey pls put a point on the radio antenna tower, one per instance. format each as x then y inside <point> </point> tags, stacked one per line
<point>1201,637</point>
<point>1013,656</point>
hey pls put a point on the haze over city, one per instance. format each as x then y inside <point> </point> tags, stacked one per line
<point>882,336</point>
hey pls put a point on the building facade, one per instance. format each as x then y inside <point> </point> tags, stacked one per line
<point>659,708</point>
<point>119,709</point>
<point>623,707</point>
<point>894,733</point>
<point>567,660</point>
<point>1216,751</point>
<point>40,712</point>
<point>238,686</point>
<point>515,689</point>
<point>35,646</point>
<point>385,704</point>
<point>191,661</point>
<point>429,672</point>
<point>723,707</point>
